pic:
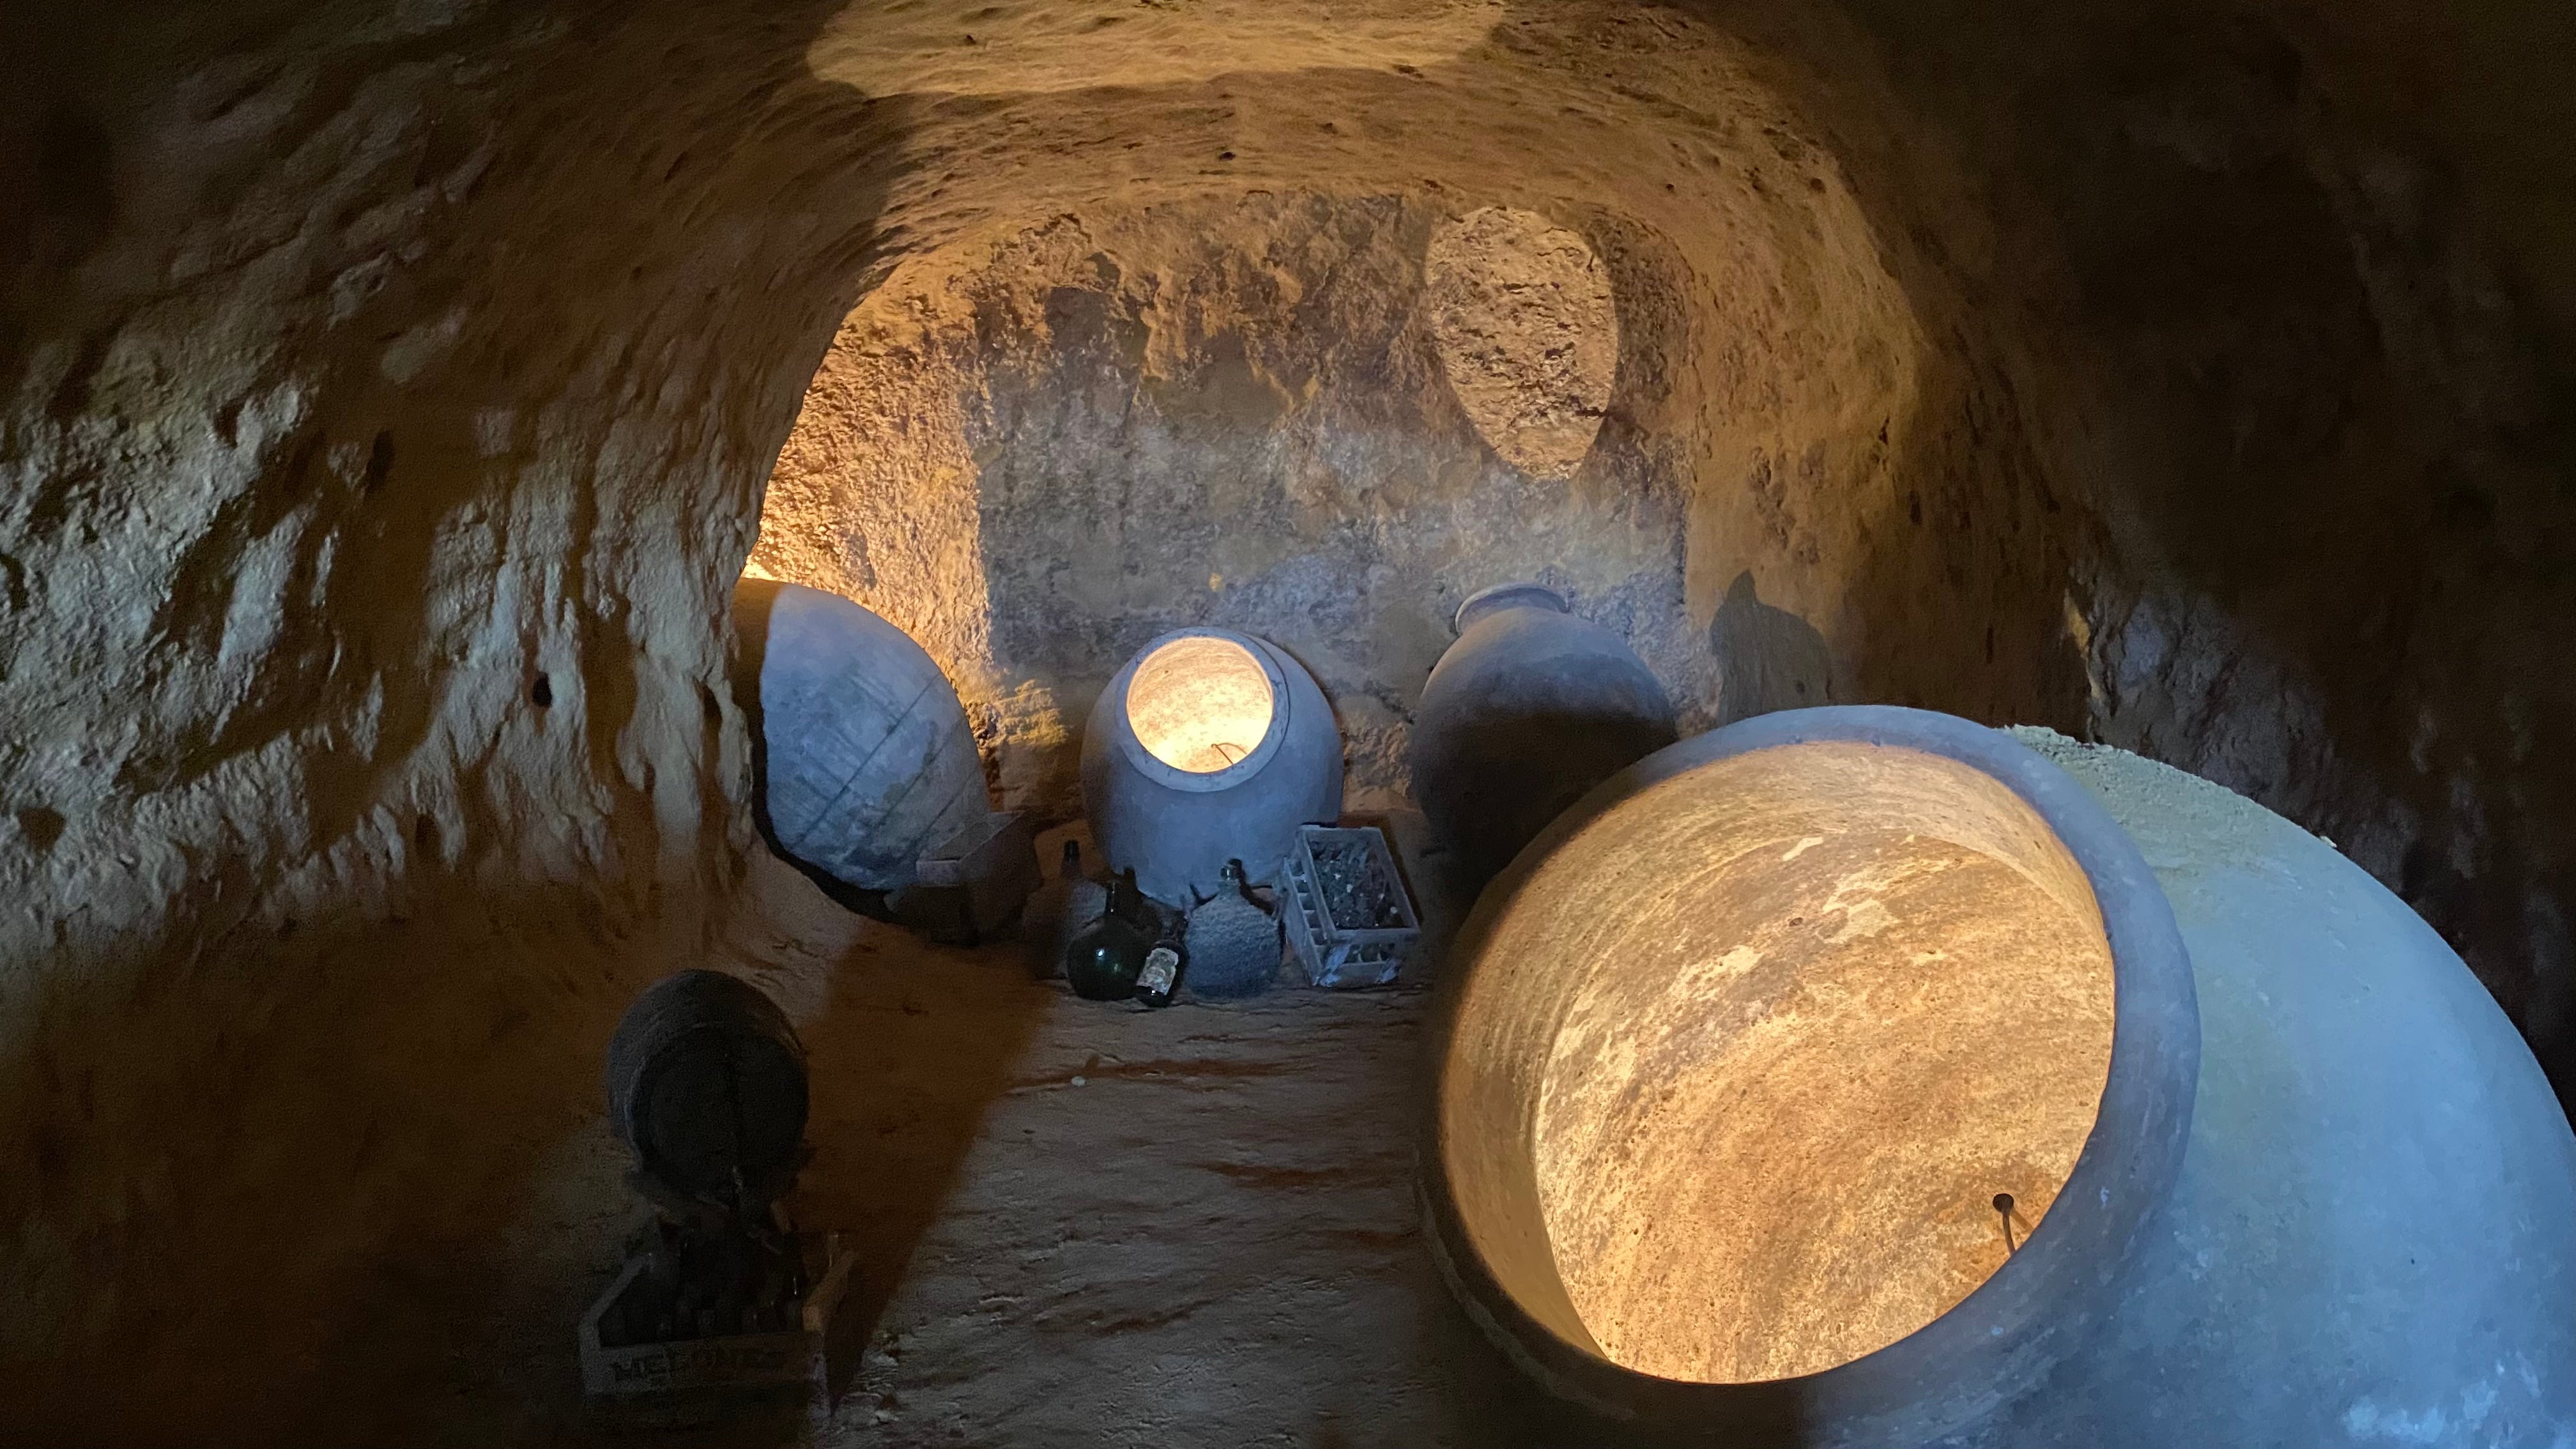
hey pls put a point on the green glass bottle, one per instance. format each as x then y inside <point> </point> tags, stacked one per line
<point>1102,963</point>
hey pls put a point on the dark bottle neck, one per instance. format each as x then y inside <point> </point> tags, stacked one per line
<point>1126,902</point>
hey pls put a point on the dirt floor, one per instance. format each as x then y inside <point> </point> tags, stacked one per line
<point>1078,1224</point>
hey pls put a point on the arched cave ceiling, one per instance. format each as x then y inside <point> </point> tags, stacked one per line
<point>2192,374</point>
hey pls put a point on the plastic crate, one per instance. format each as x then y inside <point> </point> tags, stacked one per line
<point>1357,954</point>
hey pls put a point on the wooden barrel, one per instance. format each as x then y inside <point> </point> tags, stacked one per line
<point>706,1082</point>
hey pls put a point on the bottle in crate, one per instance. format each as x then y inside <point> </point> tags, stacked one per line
<point>1349,918</point>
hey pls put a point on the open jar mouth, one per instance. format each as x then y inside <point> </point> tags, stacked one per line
<point>1811,1049</point>
<point>1202,708</point>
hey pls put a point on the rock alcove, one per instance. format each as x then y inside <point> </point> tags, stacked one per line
<point>391,396</point>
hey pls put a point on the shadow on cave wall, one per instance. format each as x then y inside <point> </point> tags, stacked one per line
<point>1768,659</point>
<point>1149,436</point>
<point>1314,482</point>
<point>2283,317</point>
<point>2317,507</point>
<point>1223,411</point>
<point>243,1136</point>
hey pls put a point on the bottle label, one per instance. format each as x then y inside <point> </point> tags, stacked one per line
<point>1162,967</point>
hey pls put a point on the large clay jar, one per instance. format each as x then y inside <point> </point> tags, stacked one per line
<point>1208,746</point>
<point>865,759</point>
<point>1864,1076</point>
<point>1527,711</point>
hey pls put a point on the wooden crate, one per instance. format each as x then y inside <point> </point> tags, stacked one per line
<point>796,1354</point>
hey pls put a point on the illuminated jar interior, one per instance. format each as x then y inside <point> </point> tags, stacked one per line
<point>1743,1064</point>
<point>1200,703</point>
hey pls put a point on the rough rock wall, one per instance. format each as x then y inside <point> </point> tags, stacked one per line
<point>2222,354</point>
<point>1041,455</point>
<point>1364,364</point>
<point>362,367</point>
<point>382,408</point>
<point>2287,292</point>
<point>386,396</point>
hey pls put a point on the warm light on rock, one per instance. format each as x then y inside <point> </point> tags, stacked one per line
<point>397,399</point>
<point>1528,335</point>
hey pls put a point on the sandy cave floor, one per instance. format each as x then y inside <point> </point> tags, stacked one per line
<point>1078,1223</point>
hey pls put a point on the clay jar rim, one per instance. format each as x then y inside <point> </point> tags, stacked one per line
<point>1145,762</point>
<point>2047,1299</point>
<point>1494,600</point>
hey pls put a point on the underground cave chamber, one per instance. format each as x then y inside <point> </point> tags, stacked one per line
<point>416,424</point>
<point>1839,1088</point>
